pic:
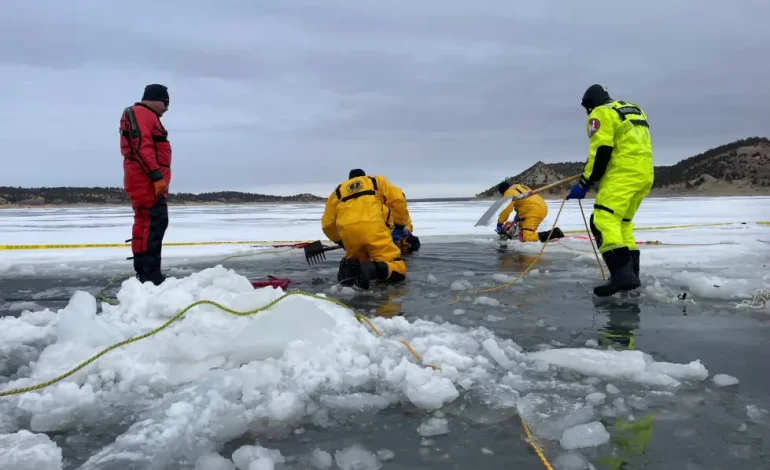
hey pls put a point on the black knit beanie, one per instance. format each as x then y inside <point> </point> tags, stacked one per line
<point>155,92</point>
<point>355,173</point>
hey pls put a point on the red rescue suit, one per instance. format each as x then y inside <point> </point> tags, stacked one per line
<point>146,159</point>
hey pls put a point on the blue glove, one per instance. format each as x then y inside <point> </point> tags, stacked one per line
<point>399,234</point>
<point>577,192</point>
<point>516,219</point>
<point>499,228</point>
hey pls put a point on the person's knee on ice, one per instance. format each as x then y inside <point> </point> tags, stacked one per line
<point>529,222</point>
<point>528,235</point>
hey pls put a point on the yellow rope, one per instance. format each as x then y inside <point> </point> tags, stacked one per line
<point>528,268</point>
<point>535,446</point>
<point>588,231</point>
<point>179,315</point>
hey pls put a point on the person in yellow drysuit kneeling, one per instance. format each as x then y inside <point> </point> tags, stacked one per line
<point>409,244</point>
<point>354,219</point>
<point>620,161</point>
<point>530,213</point>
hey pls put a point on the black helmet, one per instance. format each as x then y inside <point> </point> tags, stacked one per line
<point>356,173</point>
<point>503,187</point>
<point>595,95</point>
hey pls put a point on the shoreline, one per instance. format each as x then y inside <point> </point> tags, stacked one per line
<point>548,197</point>
<point>93,205</point>
<point>663,194</point>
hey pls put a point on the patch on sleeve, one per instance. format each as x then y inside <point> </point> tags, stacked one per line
<point>593,126</point>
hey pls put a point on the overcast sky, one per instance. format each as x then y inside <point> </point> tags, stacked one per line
<point>444,97</point>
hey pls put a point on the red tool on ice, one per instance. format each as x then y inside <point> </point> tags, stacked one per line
<point>274,282</point>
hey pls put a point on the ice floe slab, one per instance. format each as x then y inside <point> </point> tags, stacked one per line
<point>635,366</point>
<point>24,450</point>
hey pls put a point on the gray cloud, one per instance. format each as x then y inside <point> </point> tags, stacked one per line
<point>442,97</point>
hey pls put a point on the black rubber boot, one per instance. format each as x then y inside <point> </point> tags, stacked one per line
<point>349,271</point>
<point>635,262</point>
<point>367,272</point>
<point>381,270</point>
<point>156,277</point>
<point>139,266</point>
<point>622,277</point>
<point>152,271</point>
<point>376,270</point>
<point>557,233</point>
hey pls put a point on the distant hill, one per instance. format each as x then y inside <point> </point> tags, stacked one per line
<point>117,196</point>
<point>738,168</point>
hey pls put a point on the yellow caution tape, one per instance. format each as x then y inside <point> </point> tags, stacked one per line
<point>124,245</point>
<point>277,242</point>
<point>671,227</point>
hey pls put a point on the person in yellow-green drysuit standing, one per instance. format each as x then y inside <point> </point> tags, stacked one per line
<point>620,162</point>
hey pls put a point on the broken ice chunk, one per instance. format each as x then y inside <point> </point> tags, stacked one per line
<point>356,457</point>
<point>433,427</point>
<point>596,398</point>
<point>584,435</point>
<point>724,380</point>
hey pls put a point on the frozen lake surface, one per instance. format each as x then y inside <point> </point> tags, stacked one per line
<point>305,385</point>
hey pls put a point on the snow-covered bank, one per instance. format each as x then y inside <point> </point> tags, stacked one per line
<point>212,376</point>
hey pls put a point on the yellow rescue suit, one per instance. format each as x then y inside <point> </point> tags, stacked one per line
<point>390,222</point>
<point>354,215</point>
<point>620,160</point>
<point>531,212</point>
<point>411,242</point>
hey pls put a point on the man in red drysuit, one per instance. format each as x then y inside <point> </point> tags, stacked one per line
<point>146,177</point>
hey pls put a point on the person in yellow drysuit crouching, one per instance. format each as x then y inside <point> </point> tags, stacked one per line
<point>409,244</point>
<point>620,161</point>
<point>354,218</point>
<point>530,213</point>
